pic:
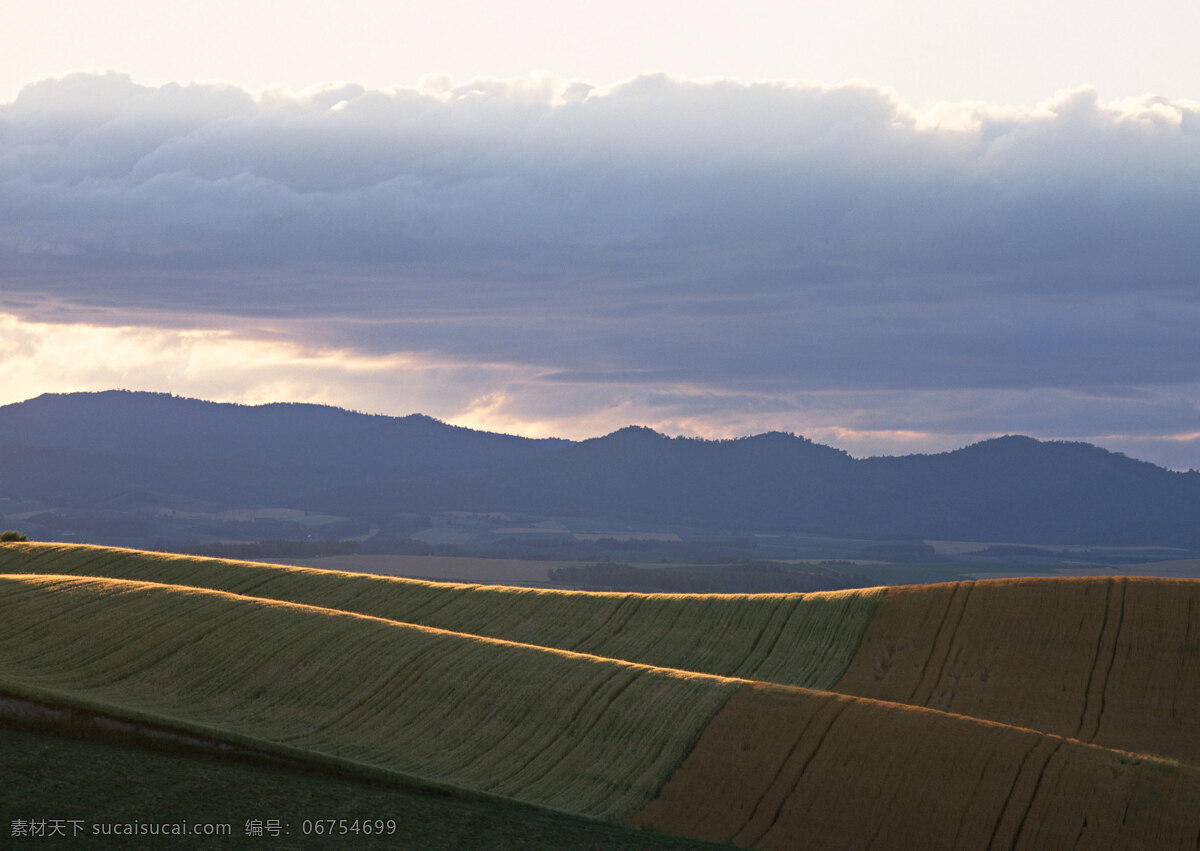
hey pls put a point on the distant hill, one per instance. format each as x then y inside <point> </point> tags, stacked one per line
<point>96,450</point>
<point>1012,489</point>
<point>84,449</point>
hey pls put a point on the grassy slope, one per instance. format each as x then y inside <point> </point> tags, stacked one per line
<point>1113,661</point>
<point>48,776</point>
<point>538,725</point>
<point>794,639</point>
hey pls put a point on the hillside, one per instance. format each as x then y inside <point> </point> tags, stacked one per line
<point>1007,489</point>
<point>796,639</point>
<point>780,769</point>
<point>74,775</point>
<point>1108,660</point>
<point>395,700</point>
<point>92,448</point>
<point>1112,661</point>
<point>1024,713</point>
<point>134,454</point>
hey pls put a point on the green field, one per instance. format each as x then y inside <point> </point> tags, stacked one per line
<point>49,777</point>
<point>794,639</point>
<point>525,722</point>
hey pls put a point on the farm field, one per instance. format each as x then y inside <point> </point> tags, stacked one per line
<point>1115,661</point>
<point>782,769</point>
<point>796,639</point>
<point>1013,713</point>
<point>397,700</point>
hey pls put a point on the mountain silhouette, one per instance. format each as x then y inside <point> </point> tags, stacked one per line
<point>96,449</point>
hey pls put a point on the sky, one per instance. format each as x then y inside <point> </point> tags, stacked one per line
<point>888,227</point>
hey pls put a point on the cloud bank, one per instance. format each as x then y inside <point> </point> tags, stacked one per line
<point>706,257</point>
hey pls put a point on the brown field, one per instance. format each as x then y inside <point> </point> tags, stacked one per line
<point>789,768</point>
<point>1113,661</point>
<point>486,571</point>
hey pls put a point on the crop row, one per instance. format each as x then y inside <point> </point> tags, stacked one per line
<point>785,768</point>
<point>1113,661</point>
<point>572,732</point>
<point>795,639</point>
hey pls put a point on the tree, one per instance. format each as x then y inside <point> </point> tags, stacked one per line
<point>12,535</point>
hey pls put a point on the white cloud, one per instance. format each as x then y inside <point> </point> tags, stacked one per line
<point>706,239</point>
<point>794,172</point>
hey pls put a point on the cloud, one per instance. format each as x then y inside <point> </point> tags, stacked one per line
<point>593,251</point>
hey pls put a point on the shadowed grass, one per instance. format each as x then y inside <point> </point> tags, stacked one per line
<point>49,776</point>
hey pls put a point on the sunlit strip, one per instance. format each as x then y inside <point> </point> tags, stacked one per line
<point>215,364</point>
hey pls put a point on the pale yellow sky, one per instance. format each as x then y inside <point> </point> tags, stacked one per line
<point>1018,52</point>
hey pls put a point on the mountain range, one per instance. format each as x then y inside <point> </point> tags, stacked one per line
<point>113,448</point>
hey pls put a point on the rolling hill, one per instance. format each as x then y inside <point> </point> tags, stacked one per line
<point>1020,713</point>
<point>242,794</point>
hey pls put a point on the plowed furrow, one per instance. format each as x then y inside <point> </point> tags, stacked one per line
<point>791,772</point>
<point>1098,684</point>
<point>943,643</point>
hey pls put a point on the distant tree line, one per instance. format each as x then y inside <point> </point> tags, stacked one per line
<point>741,577</point>
<point>276,549</point>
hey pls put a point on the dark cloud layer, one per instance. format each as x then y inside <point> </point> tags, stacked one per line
<point>773,239</point>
